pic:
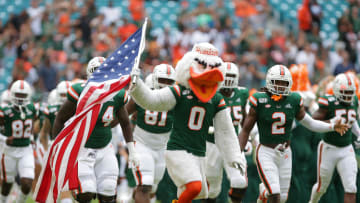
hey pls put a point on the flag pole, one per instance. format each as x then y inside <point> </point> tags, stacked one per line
<point>141,49</point>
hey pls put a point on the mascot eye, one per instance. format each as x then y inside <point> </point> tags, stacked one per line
<point>215,65</point>
<point>203,63</point>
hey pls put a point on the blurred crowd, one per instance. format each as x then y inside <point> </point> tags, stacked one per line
<point>53,42</point>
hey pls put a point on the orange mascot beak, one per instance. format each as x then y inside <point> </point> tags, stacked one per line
<point>205,84</point>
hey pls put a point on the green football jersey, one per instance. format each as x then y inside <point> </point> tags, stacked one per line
<point>236,104</point>
<point>14,125</point>
<point>192,119</point>
<point>336,108</point>
<point>101,134</point>
<point>153,121</point>
<point>275,118</point>
<point>50,113</point>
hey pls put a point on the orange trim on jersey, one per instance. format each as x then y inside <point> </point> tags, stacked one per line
<point>261,172</point>
<point>222,103</point>
<point>126,97</point>
<point>73,93</point>
<point>253,100</point>
<point>319,163</point>
<point>138,176</point>
<point>323,101</point>
<point>3,167</point>
<point>177,89</point>
<point>1,114</point>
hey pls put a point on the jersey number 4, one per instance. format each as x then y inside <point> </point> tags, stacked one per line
<point>21,129</point>
<point>151,118</point>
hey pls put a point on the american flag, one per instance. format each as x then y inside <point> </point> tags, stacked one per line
<point>61,160</point>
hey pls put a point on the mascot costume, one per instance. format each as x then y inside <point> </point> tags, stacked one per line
<point>197,105</point>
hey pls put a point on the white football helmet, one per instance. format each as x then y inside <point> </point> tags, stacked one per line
<point>52,98</point>
<point>231,73</point>
<point>5,97</point>
<point>163,75</point>
<point>344,88</point>
<point>279,73</point>
<point>93,64</point>
<point>20,93</point>
<point>149,81</point>
<point>61,91</point>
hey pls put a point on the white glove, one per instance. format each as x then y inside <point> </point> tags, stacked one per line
<point>357,143</point>
<point>135,76</point>
<point>241,165</point>
<point>134,160</point>
<point>248,148</point>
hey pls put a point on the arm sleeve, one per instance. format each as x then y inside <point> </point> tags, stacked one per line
<point>356,129</point>
<point>154,100</point>
<point>316,125</point>
<point>225,137</point>
<point>2,138</point>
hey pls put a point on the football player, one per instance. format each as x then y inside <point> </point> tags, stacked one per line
<point>17,120</point>
<point>235,98</point>
<point>196,103</point>
<point>151,134</point>
<point>336,150</point>
<point>274,111</point>
<point>50,112</point>
<point>97,165</point>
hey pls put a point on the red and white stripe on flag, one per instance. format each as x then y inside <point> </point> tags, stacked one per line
<point>61,160</point>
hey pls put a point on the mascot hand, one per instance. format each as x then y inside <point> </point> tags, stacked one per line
<point>134,160</point>
<point>135,76</point>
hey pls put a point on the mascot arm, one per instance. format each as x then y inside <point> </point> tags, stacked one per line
<point>226,139</point>
<point>153,100</point>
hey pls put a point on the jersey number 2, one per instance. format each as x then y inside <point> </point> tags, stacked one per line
<point>277,128</point>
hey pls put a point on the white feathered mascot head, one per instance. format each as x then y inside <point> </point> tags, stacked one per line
<point>200,71</point>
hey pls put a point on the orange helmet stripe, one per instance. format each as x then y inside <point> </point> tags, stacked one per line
<point>349,79</point>
<point>21,84</point>
<point>168,69</point>
<point>282,72</point>
<point>228,66</point>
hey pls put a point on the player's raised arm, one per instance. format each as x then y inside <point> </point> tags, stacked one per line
<point>319,126</point>
<point>248,125</point>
